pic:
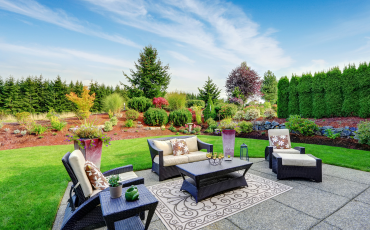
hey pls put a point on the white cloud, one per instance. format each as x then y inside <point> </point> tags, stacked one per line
<point>180,57</point>
<point>33,9</point>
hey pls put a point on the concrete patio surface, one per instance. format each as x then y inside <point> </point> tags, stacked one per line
<point>341,201</point>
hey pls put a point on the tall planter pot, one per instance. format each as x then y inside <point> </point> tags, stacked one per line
<point>91,153</point>
<point>228,143</point>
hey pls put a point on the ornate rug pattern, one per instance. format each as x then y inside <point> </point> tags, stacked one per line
<point>178,210</point>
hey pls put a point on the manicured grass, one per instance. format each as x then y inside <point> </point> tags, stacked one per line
<point>33,180</point>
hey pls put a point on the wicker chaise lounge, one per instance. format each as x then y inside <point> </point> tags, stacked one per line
<point>164,163</point>
<point>83,210</point>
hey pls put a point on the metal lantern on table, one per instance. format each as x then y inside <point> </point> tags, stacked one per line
<point>244,152</point>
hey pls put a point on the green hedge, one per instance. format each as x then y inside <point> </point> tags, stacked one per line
<point>363,76</point>
<point>283,97</point>
<point>155,116</point>
<point>190,103</point>
<point>318,95</point>
<point>140,104</point>
<point>350,89</point>
<point>305,95</point>
<point>180,117</point>
<point>293,95</point>
<point>333,92</point>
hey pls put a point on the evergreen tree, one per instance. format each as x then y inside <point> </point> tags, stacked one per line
<point>210,90</point>
<point>79,87</point>
<point>305,95</point>
<point>283,98</point>
<point>319,109</point>
<point>209,111</point>
<point>150,79</point>
<point>11,96</point>
<point>293,95</point>
<point>350,89</point>
<point>71,106</point>
<point>269,87</point>
<point>50,96</point>
<point>30,102</point>
<point>363,75</point>
<point>1,93</point>
<point>97,89</point>
<point>333,94</point>
<point>61,102</point>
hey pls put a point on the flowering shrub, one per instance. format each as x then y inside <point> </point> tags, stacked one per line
<point>88,130</point>
<point>228,110</point>
<point>83,103</point>
<point>301,125</point>
<point>363,132</point>
<point>252,114</point>
<point>197,128</point>
<point>239,115</point>
<point>158,102</point>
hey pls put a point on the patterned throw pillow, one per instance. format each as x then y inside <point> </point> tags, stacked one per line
<point>96,178</point>
<point>179,147</point>
<point>280,142</point>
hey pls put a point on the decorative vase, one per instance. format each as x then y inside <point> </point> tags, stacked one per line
<point>132,193</point>
<point>228,142</point>
<point>91,153</point>
<point>115,192</point>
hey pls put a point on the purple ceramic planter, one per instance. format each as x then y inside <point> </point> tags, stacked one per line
<point>91,153</point>
<point>228,142</point>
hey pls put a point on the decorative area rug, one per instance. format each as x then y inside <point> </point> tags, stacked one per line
<point>178,210</point>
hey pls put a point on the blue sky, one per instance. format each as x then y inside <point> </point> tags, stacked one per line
<point>98,39</point>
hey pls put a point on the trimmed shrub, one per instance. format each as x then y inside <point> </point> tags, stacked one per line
<point>270,113</point>
<point>113,102</point>
<point>155,116</point>
<point>228,111</point>
<point>57,124</point>
<point>363,132</point>
<point>363,76</point>
<point>218,107</point>
<point>129,123</point>
<point>350,89</point>
<point>140,104</point>
<point>159,102</point>
<point>114,120</point>
<point>245,127</point>
<point>38,129</point>
<point>305,95</point>
<point>293,95</point>
<point>191,103</point>
<point>180,117</point>
<point>108,126</point>
<point>210,111</point>
<point>252,114</point>
<point>333,94</point>
<point>318,95</point>
<point>301,125</point>
<point>132,114</point>
<point>283,98</point>
<point>239,115</point>
<point>176,100</point>
<point>267,105</point>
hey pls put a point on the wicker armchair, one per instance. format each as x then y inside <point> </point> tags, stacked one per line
<point>165,172</point>
<point>270,149</point>
<point>84,212</point>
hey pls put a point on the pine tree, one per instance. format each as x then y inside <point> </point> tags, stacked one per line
<point>11,96</point>
<point>269,87</point>
<point>41,93</point>
<point>95,88</point>
<point>333,92</point>
<point>305,95</point>
<point>61,102</point>
<point>363,73</point>
<point>283,98</point>
<point>350,89</point>
<point>209,111</point>
<point>210,90</point>
<point>30,102</point>
<point>319,109</point>
<point>1,92</point>
<point>79,87</point>
<point>150,79</point>
<point>50,95</point>
<point>293,95</point>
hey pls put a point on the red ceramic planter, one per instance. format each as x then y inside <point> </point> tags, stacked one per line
<point>91,153</point>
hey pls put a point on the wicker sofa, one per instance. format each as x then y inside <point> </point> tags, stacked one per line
<point>164,162</point>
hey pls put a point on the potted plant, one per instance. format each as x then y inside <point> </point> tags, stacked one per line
<point>228,129</point>
<point>115,188</point>
<point>89,138</point>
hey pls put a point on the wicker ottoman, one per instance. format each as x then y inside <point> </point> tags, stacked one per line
<point>297,166</point>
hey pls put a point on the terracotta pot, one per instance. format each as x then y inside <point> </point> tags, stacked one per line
<point>115,192</point>
<point>228,143</point>
<point>91,153</point>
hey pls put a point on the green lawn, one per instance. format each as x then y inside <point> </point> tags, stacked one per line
<point>33,180</point>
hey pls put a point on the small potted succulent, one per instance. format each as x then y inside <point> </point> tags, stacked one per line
<point>115,187</point>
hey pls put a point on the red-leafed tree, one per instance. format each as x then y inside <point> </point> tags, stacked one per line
<point>246,79</point>
<point>159,102</point>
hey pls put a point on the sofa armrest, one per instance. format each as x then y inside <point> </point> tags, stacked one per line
<point>302,150</point>
<point>123,169</point>
<point>154,151</point>
<point>134,181</point>
<point>203,145</point>
<point>268,155</point>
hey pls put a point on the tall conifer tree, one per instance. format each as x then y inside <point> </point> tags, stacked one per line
<point>363,75</point>
<point>333,92</point>
<point>283,98</point>
<point>269,87</point>
<point>319,109</point>
<point>209,90</point>
<point>305,95</point>
<point>30,102</point>
<point>11,95</point>
<point>293,95</point>
<point>350,89</point>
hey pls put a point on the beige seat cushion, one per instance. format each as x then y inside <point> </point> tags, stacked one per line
<point>297,160</point>
<point>192,143</point>
<point>96,191</point>
<point>197,156</point>
<point>278,132</point>
<point>77,162</point>
<point>287,151</point>
<point>165,146</point>
<point>124,176</point>
<point>172,160</point>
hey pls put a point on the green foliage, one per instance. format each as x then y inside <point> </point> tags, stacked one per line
<point>209,90</point>
<point>129,123</point>
<point>180,117</point>
<point>151,78</point>
<point>113,181</point>
<point>252,114</point>
<point>245,127</point>
<point>173,129</point>
<point>114,120</point>
<point>113,102</point>
<point>329,133</point>
<point>16,131</point>
<point>108,126</point>
<point>319,109</point>
<point>38,129</point>
<point>132,114</point>
<point>228,123</point>
<point>140,104</point>
<point>22,117</point>
<point>1,125</point>
<point>228,111</point>
<point>269,113</point>
<point>191,103</point>
<point>350,89</point>
<point>240,115</point>
<point>210,110</point>
<point>176,100</point>
<point>155,116</point>
<point>267,105</point>
<point>110,114</point>
<point>363,76</point>
<point>363,132</point>
<point>333,94</point>
<point>57,124</point>
<point>197,128</point>
<point>283,98</point>
<point>301,125</point>
<point>305,95</point>
<point>293,95</point>
<point>269,87</point>
<point>177,133</point>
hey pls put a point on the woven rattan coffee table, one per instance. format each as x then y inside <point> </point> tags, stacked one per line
<point>206,180</point>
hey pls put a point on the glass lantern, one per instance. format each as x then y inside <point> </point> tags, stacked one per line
<point>244,152</point>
